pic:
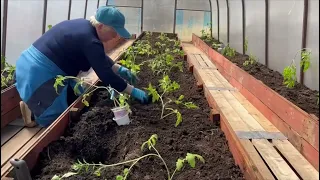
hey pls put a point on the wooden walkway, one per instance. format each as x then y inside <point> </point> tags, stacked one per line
<point>258,147</point>
<point>17,139</point>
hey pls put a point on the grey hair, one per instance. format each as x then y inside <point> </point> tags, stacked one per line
<point>94,21</point>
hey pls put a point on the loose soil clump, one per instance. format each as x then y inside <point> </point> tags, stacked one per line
<point>95,137</point>
<point>300,95</point>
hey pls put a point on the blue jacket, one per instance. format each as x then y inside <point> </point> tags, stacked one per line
<point>73,46</point>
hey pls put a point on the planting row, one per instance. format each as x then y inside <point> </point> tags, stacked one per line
<point>170,138</point>
<point>285,84</point>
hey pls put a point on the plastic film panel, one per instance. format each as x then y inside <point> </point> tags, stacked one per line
<point>223,21</point>
<point>255,29</point>
<point>102,2</point>
<point>133,19</point>
<point>77,9</point>
<point>23,28</point>
<point>1,22</point>
<point>91,8</point>
<point>53,7</point>
<point>311,78</point>
<point>285,34</point>
<point>158,15</point>
<point>135,3</point>
<point>192,4</point>
<point>188,22</point>
<point>235,9</point>
<point>214,19</point>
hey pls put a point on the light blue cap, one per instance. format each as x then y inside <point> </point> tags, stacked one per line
<point>112,17</point>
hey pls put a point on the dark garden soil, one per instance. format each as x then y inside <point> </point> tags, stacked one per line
<point>300,95</point>
<point>95,137</point>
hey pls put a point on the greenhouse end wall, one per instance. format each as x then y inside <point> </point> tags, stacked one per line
<point>274,42</point>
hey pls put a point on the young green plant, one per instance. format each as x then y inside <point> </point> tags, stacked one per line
<point>251,61</point>
<point>164,63</point>
<point>150,144</point>
<point>167,86</point>
<point>228,51</point>
<point>7,72</point>
<point>60,80</point>
<point>290,72</point>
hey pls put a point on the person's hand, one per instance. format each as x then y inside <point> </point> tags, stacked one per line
<point>126,74</point>
<point>140,95</point>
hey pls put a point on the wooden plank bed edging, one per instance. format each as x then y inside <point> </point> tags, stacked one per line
<point>9,102</point>
<point>259,157</point>
<point>55,130</point>
<point>301,128</point>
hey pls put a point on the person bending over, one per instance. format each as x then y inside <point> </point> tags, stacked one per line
<point>66,49</point>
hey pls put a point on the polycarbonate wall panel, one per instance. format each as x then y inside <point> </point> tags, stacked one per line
<point>285,33</point>
<point>102,2</point>
<point>255,28</point>
<point>223,21</point>
<point>133,19</point>
<point>158,15</point>
<point>135,3</point>
<point>214,19</point>
<point>1,22</point>
<point>312,75</point>
<point>91,8</point>
<point>77,9</point>
<point>192,4</point>
<point>53,7</point>
<point>235,9</point>
<point>22,28</point>
<point>188,22</point>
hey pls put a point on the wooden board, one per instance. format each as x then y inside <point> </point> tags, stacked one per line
<point>256,161</point>
<point>275,162</point>
<point>300,164</point>
<point>7,166</point>
<point>16,143</point>
<point>257,115</point>
<point>236,105</point>
<point>8,132</point>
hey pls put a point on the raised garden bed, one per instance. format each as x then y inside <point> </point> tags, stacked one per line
<point>95,137</point>
<point>293,111</point>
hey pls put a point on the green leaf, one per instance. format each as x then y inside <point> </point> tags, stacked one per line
<point>153,92</point>
<point>179,164</point>
<point>84,101</point>
<point>55,177</point>
<point>191,105</point>
<point>68,174</point>
<point>59,82</point>
<point>191,160</point>
<point>119,177</point>
<point>179,118</point>
<point>125,171</point>
<point>97,172</point>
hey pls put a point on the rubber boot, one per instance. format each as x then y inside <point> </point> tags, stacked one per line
<point>26,115</point>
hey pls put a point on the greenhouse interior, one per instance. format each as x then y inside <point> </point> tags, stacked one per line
<point>160,89</point>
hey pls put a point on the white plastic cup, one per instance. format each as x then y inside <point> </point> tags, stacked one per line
<point>119,112</point>
<point>122,120</point>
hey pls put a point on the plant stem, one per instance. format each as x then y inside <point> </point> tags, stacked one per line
<point>173,173</point>
<point>168,115</point>
<point>96,87</point>
<point>165,164</point>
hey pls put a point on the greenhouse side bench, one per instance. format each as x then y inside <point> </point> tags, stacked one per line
<point>258,147</point>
